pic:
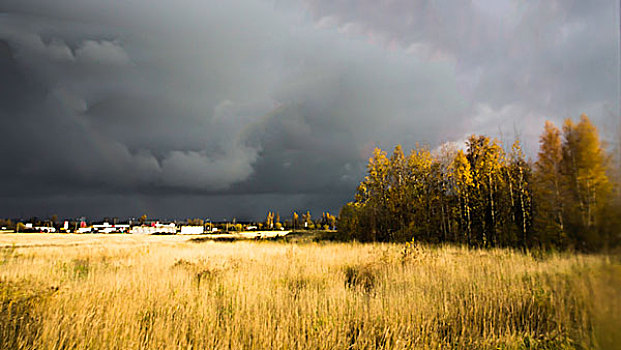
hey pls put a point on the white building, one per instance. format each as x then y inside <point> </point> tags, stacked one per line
<point>191,230</point>
<point>157,228</point>
<point>84,230</point>
<point>108,228</point>
<point>45,229</point>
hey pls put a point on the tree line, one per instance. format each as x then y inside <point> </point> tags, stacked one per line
<point>485,196</point>
<point>298,222</point>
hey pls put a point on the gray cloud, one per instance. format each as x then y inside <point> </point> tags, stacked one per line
<point>243,106</point>
<point>551,59</point>
<point>103,52</point>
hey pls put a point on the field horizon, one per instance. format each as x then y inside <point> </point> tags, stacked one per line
<point>168,292</point>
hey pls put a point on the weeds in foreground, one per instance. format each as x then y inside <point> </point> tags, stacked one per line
<point>258,295</point>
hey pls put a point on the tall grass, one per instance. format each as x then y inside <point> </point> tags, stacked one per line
<point>322,296</point>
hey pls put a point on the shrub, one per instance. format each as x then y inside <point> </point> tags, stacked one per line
<point>361,277</point>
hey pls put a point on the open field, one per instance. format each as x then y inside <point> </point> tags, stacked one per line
<point>154,292</point>
<point>32,240</point>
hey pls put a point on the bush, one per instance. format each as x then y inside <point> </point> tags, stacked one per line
<point>361,277</point>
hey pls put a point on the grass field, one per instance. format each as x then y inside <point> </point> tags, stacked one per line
<point>166,292</point>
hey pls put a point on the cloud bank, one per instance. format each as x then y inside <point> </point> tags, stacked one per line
<point>233,108</point>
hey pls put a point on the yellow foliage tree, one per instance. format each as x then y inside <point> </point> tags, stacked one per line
<point>584,165</point>
<point>548,184</point>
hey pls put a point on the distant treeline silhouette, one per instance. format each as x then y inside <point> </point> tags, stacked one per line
<point>486,197</point>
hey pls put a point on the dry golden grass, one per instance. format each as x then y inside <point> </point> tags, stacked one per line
<point>128,292</point>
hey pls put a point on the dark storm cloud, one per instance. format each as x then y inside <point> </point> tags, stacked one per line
<point>242,106</point>
<point>515,62</point>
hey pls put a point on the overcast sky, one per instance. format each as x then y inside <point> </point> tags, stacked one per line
<point>224,109</point>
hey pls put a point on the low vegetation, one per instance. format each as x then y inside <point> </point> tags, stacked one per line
<point>170,293</point>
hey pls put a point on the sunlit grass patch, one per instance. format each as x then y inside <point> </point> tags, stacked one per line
<point>277,295</point>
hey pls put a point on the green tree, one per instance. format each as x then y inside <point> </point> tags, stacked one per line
<point>349,225</point>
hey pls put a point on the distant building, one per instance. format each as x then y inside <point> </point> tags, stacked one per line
<point>155,228</point>
<point>84,230</point>
<point>106,227</point>
<point>191,230</point>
